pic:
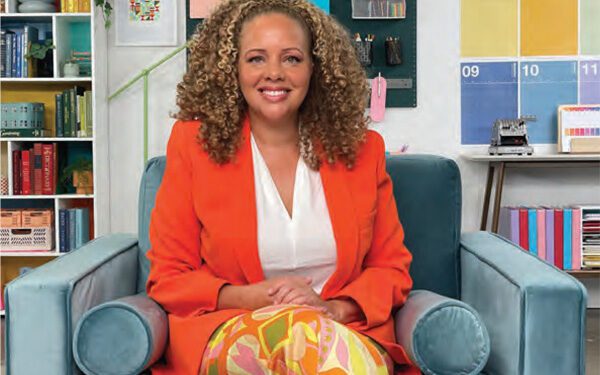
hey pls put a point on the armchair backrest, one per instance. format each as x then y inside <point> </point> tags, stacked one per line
<point>428,196</point>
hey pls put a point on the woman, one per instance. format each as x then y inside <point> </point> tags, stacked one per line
<point>276,245</point>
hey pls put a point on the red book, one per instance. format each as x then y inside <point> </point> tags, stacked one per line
<point>54,167</point>
<point>16,162</point>
<point>25,172</point>
<point>37,169</point>
<point>558,238</point>
<point>47,172</point>
<point>524,228</point>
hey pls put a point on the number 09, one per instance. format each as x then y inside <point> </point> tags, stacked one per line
<point>470,71</point>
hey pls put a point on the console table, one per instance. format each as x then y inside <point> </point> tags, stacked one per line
<point>498,164</point>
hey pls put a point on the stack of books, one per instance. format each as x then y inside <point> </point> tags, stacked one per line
<point>73,228</point>
<point>75,6</point>
<point>554,234</point>
<point>590,245</point>
<point>14,45</point>
<point>73,116</point>
<point>35,170</point>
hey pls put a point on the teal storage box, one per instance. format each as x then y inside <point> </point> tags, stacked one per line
<point>22,115</point>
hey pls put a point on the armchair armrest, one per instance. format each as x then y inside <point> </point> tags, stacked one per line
<point>43,306</point>
<point>532,310</point>
<point>133,329</point>
<point>442,335</point>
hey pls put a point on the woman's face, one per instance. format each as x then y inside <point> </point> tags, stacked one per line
<point>275,67</point>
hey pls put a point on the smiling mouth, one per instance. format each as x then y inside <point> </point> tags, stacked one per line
<point>274,93</point>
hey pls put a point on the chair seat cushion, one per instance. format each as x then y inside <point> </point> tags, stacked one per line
<point>442,335</point>
<point>123,336</point>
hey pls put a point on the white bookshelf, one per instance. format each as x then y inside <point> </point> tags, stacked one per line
<point>59,25</point>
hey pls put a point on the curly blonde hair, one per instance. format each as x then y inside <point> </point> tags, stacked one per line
<point>332,116</point>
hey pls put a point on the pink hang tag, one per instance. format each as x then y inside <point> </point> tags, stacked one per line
<point>378,90</point>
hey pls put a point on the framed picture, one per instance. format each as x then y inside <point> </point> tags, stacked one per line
<point>145,23</point>
<point>200,9</point>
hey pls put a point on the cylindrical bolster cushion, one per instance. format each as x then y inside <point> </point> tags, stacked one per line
<point>124,336</point>
<point>442,335</point>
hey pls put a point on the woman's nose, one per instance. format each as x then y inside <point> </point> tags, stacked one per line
<point>274,71</point>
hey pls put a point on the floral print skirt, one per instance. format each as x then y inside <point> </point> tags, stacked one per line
<point>291,340</point>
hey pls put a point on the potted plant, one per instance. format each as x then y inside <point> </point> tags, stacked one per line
<point>39,60</point>
<point>80,175</point>
<point>106,8</point>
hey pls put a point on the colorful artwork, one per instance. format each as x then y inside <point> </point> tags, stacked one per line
<point>526,57</point>
<point>145,23</point>
<point>144,10</point>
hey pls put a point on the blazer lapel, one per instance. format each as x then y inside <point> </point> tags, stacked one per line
<point>343,221</point>
<point>244,220</point>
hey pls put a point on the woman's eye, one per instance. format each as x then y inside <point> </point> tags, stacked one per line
<point>293,59</point>
<point>255,59</point>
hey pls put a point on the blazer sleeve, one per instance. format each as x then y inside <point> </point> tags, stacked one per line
<point>178,279</point>
<point>384,282</point>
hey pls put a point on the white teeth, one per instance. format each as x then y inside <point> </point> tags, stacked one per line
<point>274,93</point>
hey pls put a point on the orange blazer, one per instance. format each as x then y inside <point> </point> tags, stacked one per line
<point>203,232</point>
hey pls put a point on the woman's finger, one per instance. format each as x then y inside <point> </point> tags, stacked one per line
<point>292,295</point>
<point>280,295</point>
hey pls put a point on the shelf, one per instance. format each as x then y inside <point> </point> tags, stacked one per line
<point>36,15</point>
<point>47,80</point>
<point>534,157</point>
<point>30,254</point>
<point>584,273</point>
<point>60,196</point>
<point>47,139</point>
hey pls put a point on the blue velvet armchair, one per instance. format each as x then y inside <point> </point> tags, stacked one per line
<point>480,304</point>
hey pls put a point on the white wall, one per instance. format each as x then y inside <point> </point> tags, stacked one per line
<point>432,127</point>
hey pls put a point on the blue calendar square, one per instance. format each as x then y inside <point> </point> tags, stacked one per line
<point>544,86</point>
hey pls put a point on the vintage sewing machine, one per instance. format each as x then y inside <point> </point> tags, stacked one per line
<point>509,136</point>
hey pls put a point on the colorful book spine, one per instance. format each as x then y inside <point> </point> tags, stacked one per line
<point>26,172</point>
<point>523,228</point>
<point>18,52</point>
<point>13,64</point>
<point>38,169</point>
<point>532,225</point>
<point>558,238</point>
<point>567,238</point>
<point>550,235</point>
<point>54,167</point>
<point>47,172</point>
<point>514,225</point>
<point>576,239</point>
<point>62,219</point>
<point>504,223</point>
<point>59,115</point>
<point>71,229</point>
<point>82,226</point>
<point>541,232</point>
<point>16,162</point>
<point>9,53</point>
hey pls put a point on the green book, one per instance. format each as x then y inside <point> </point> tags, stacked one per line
<point>24,133</point>
<point>67,113</point>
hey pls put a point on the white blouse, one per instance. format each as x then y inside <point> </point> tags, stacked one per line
<point>301,245</point>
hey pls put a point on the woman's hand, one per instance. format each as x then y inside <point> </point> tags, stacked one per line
<point>255,296</point>
<point>340,310</point>
<point>289,292</point>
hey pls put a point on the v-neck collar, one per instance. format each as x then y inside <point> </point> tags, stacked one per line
<point>271,182</point>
